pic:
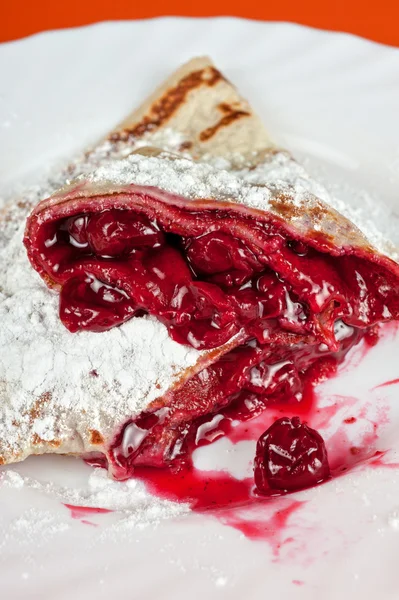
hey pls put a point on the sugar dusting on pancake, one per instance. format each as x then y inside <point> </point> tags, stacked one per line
<point>69,390</point>
<point>66,391</point>
<point>277,184</point>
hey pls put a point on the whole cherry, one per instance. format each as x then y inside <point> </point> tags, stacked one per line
<point>290,456</point>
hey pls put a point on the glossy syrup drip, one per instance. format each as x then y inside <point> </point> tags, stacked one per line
<point>242,385</point>
<point>207,490</point>
<point>232,500</point>
<point>204,282</point>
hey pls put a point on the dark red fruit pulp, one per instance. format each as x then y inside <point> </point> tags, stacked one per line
<point>86,303</point>
<point>205,282</point>
<point>178,480</point>
<point>290,456</point>
<point>118,233</point>
<point>216,490</point>
<point>240,385</point>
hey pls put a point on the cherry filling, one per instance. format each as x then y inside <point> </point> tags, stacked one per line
<point>290,456</point>
<point>89,304</point>
<point>244,381</point>
<point>223,259</point>
<point>118,233</point>
<point>206,287</point>
<point>207,275</point>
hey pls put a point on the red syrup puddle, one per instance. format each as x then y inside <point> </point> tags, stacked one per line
<point>80,512</point>
<point>203,490</point>
<point>228,498</point>
<point>225,496</point>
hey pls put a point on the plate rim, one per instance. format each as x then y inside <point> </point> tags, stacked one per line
<point>97,24</point>
<point>296,28</point>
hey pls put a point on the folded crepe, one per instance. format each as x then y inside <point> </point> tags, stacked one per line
<point>227,276</point>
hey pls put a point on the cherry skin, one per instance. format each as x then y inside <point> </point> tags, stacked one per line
<point>160,274</point>
<point>224,259</point>
<point>274,382</point>
<point>117,232</point>
<point>298,247</point>
<point>290,456</point>
<point>211,253</point>
<point>205,318</point>
<point>86,303</point>
<point>77,229</point>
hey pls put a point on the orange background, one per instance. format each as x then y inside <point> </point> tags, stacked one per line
<point>377,20</point>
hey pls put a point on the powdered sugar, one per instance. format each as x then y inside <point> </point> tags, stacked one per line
<point>34,526</point>
<point>283,172</point>
<point>166,138</point>
<point>56,386</point>
<point>279,174</point>
<point>99,491</point>
<point>133,508</point>
<point>180,176</point>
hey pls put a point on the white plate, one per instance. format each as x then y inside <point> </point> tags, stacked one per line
<point>332,98</point>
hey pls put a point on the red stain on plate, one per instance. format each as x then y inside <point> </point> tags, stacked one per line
<point>80,512</point>
<point>387,383</point>
<point>203,490</point>
<point>231,500</point>
<point>271,528</point>
<point>379,460</point>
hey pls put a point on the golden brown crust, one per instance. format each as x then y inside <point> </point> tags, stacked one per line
<point>38,441</point>
<point>230,115</point>
<point>95,437</point>
<point>201,106</point>
<point>39,405</point>
<point>199,103</point>
<point>172,99</point>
